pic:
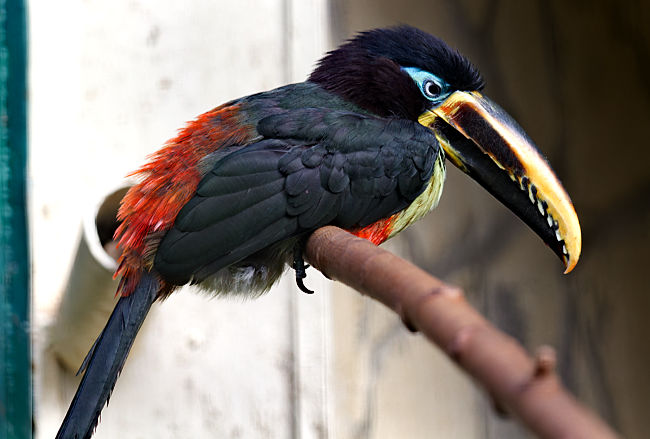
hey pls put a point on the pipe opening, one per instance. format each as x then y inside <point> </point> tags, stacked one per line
<point>106,222</point>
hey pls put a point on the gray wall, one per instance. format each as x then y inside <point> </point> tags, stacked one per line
<point>110,82</point>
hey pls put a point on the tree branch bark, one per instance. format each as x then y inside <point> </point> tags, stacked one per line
<point>526,387</point>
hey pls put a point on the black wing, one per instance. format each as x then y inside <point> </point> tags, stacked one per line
<point>314,167</point>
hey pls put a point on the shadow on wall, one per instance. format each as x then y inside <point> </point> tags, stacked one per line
<point>575,76</point>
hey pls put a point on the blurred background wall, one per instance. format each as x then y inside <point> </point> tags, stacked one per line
<point>111,83</point>
<point>575,76</point>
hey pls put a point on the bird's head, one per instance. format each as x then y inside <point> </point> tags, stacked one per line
<point>406,73</point>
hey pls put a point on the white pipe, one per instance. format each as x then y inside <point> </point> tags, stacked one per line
<point>89,296</point>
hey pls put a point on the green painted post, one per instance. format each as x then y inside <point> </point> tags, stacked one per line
<point>15,346</point>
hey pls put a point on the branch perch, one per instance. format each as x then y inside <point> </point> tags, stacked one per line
<point>526,387</point>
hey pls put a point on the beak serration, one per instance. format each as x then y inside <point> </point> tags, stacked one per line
<point>483,141</point>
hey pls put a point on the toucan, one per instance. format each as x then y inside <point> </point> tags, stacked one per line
<point>361,144</point>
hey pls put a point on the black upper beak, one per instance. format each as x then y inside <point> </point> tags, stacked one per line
<point>486,143</point>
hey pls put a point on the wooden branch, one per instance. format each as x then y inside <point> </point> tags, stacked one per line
<point>525,387</point>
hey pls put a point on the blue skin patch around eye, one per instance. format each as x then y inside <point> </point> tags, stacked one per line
<point>421,77</point>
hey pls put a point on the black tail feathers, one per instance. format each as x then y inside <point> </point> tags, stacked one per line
<point>106,358</point>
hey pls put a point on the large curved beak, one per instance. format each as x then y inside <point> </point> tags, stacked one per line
<point>486,143</point>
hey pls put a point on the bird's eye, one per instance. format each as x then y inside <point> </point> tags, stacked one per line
<point>431,89</point>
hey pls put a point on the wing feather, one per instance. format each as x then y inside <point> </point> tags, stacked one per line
<point>312,167</point>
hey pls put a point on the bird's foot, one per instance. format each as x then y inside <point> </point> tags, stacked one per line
<point>300,267</point>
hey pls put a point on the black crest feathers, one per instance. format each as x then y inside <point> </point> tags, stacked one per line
<point>366,70</point>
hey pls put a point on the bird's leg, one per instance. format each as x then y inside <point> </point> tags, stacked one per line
<point>299,266</point>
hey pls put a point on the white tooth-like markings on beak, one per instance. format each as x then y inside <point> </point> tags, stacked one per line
<point>541,206</point>
<point>462,109</point>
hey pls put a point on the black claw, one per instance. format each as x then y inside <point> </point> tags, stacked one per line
<point>300,267</point>
<point>302,286</point>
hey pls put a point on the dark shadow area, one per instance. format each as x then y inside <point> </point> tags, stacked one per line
<point>576,77</point>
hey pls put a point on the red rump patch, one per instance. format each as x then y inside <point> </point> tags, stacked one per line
<point>376,232</point>
<point>167,183</point>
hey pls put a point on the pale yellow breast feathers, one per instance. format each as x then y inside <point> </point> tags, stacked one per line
<point>426,201</point>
